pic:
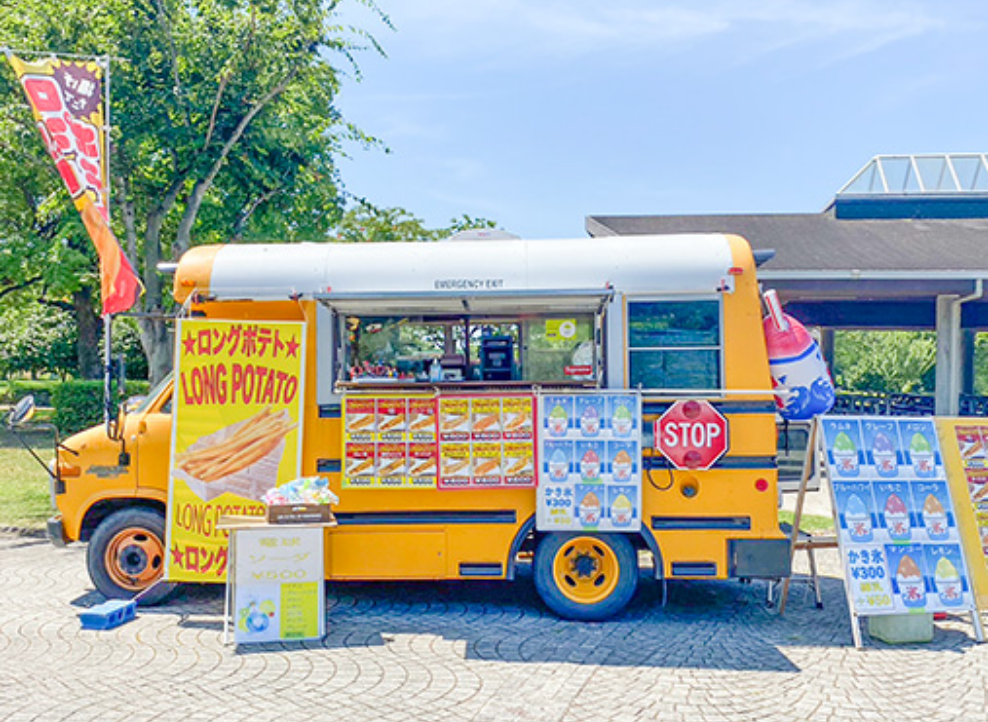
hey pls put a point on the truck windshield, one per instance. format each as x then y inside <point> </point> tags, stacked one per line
<point>537,349</point>
<point>153,394</point>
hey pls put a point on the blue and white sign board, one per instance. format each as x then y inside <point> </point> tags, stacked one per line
<point>896,527</point>
<point>589,462</point>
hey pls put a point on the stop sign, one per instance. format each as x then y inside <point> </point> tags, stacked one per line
<point>692,435</point>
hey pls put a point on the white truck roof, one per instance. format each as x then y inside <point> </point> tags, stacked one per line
<point>342,273</point>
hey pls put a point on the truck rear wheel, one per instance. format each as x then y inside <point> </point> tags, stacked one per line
<point>587,577</point>
<point>126,555</point>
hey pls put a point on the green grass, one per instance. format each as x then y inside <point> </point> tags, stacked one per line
<point>811,523</point>
<point>24,498</point>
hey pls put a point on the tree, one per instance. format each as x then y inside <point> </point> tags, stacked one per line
<point>37,340</point>
<point>368,223</point>
<point>889,361</point>
<point>223,121</point>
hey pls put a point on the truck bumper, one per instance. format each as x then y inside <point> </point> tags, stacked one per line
<point>56,531</point>
<point>759,558</point>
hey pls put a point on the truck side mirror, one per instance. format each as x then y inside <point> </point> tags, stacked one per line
<point>22,412</point>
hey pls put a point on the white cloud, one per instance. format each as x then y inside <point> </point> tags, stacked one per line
<point>503,30</point>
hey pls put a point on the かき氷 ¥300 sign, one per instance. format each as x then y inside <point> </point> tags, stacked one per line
<point>692,435</point>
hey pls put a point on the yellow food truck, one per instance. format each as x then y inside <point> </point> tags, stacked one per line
<point>593,405</point>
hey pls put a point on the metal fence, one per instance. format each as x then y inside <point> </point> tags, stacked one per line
<point>881,404</point>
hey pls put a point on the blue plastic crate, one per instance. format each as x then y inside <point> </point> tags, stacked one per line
<point>109,614</point>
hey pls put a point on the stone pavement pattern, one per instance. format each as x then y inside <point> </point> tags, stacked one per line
<point>469,651</point>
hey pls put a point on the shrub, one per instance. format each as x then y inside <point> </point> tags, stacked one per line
<point>79,404</point>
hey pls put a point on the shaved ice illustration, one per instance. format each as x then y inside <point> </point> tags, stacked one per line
<point>590,508</point>
<point>558,465</point>
<point>948,582</point>
<point>912,589</point>
<point>590,420</point>
<point>858,519</point>
<point>935,518</point>
<point>845,455</point>
<point>921,453</point>
<point>897,518</point>
<point>622,421</point>
<point>558,421</point>
<point>622,511</point>
<point>883,452</point>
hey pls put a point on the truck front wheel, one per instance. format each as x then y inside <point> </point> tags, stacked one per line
<point>126,555</point>
<point>587,577</point>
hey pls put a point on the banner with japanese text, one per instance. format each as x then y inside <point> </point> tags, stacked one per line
<point>67,101</point>
<point>236,433</point>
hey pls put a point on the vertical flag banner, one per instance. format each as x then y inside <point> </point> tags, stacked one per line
<point>67,99</point>
<point>236,433</point>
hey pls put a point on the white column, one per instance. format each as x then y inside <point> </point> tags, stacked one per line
<point>948,377</point>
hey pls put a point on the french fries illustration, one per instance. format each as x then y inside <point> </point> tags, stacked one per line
<point>451,467</point>
<point>424,468</point>
<point>360,466</point>
<point>520,466</point>
<point>360,422</point>
<point>251,442</point>
<point>489,466</point>
<point>486,422</point>
<point>423,422</point>
<point>392,423</point>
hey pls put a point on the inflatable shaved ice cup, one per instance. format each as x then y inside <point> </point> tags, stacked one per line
<point>883,452</point>
<point>897,518</point>
<point>590,510</point>
<point>858,519</point>
<point>948,582</point>
<point>935,518</point>
<point>796,365</point>
<point>912,589</point>
<point>921,453</point>
<point>845,455</point>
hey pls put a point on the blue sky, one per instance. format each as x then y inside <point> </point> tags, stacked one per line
<point>537,113</point>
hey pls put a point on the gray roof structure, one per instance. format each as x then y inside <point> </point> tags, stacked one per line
<point>842,273</point>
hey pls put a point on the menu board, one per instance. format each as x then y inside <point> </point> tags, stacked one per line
<point>897,531</point>
<point>278,588</point>
<point>972,441</point>
<point>965,447</point>
<point>446,442</point>
<point>590,468</point>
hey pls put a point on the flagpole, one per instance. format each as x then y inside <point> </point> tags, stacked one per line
<point>108,318</point>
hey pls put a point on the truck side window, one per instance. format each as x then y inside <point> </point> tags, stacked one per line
<point>674,344</point>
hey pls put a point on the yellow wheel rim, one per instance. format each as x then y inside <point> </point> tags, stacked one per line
<point>134,559</point>
<point>586,570</point>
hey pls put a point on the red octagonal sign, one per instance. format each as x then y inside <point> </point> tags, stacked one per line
<point>692,435</point>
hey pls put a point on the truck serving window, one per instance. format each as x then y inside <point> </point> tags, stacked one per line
<point>674,344</point>
<point>536,348</point>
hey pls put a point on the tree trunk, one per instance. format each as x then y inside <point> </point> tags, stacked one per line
<point>88,346</point>
<point>157,343</point>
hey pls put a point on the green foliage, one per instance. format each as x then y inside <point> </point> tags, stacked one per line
<point>886,361</point>
<point>126,340</point>
<point>367,223</point>
<point>79,404</point>
<point>13,391</point>
<point>35,339</point>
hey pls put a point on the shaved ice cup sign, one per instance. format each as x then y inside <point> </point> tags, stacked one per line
<point>236,433</point>
<point>896,527</point>
<point>589,470</point>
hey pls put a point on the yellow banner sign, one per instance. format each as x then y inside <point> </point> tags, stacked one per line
<point>237,433</point>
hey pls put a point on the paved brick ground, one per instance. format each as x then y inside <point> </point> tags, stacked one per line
<point>472,651</point>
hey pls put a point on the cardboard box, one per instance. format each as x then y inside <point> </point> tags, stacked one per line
<point>300,514</point>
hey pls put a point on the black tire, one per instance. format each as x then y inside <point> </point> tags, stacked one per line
<point>586,576</point>
<point>126,555</point>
